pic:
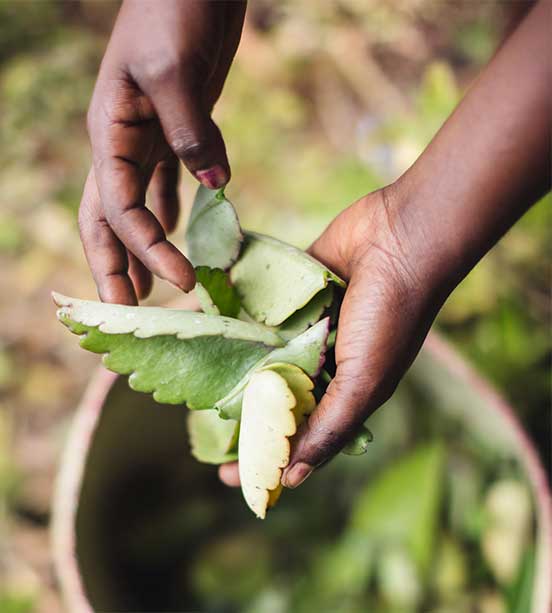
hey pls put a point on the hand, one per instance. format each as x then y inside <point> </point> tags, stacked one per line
<point>387,310</point>
<point>404,249</point>
<point>163,71</point>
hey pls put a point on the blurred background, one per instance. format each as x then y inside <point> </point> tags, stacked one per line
<point>325,102</point>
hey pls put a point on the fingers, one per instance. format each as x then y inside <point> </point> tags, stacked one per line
<point>122,190</point>
<point>188,127</point>
<point>106,255</point>
<point>141,277</point>
<point>229,474</point>
<point>234,15</point>
<point>179,94</point>
<point>163,193</point>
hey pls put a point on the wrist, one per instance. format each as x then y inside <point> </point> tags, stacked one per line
<point>420,237</point>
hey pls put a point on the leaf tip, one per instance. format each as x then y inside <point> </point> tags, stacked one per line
<point>60,300</point>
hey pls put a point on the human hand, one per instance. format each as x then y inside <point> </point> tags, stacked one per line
<point>404,249</point>
<point>163,71</point>
<point>390,302</point>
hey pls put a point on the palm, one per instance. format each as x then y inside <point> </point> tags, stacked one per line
<point>379,329</point>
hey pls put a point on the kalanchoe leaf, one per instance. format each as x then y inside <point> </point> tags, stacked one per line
<point>308,315</point>
<point>305,351</point>
<point>180,356</point>
<point>275,401</point>
<point>145,322</point>
<point>274,279</point>
<point>205,301</point>
<point>213,235</point>
<point>218,296</point>
<point>359,444</point>
<point>301,386</point>
<point>212,440</point>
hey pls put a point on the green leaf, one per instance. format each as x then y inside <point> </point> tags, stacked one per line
<point>274,279</point>
<point>205,301</point>
<point>179,356</point>
<point>145,322</point>
<point>359,444</point>
<point>402,504</point>
<point>213,235</point>
<point>520,593</point>
<point>222,298</point>
<point>305,351</point>
<point>308,315</point>
<point>212,439</point>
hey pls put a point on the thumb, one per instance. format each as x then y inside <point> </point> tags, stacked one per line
<point>343,409</point>
<point>189,129</point>
<point>373,349</point>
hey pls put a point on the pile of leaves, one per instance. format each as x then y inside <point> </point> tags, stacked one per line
<point>250,367</point>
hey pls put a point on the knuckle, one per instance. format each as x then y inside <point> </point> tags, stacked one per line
<point>91,120</point>
<point>323,442</point>
<point>94,108</point>
<point>163,68</point>
<point>83,218</point>
<point>187,145</point>
<point>95,233</point>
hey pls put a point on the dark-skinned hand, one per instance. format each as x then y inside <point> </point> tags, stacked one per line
<point>163,70</point>
<point>403,249</point>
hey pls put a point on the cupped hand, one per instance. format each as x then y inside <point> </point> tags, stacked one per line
<point>387,310</point>
<point>404,249</point>
<point>163,70</point>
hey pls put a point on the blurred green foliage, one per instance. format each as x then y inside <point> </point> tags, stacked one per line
<point>15,604</point>
<point>436,517</point>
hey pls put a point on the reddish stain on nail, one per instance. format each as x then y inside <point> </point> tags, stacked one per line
<point>213,177</point>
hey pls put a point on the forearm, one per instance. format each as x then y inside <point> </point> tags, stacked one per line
<point>487,165</point>
<point>404,248</point>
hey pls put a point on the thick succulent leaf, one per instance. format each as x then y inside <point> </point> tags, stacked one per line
<point>145,322</point>
<point>264,449</point>
<point>205,301</point>
<point>305,351</point>
<point>213,235</point>
<point>359,444</point>
<point>308,315</point>
<point>179,356</point>
<point>301,386</point>
<point>274,279</point>
<point>267,428</point>
<point>216,294</point>
<point>212,439</point>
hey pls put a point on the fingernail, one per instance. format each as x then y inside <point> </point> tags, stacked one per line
<point>177,286</point>
<point>213,177</point>
<point>297,475</point>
